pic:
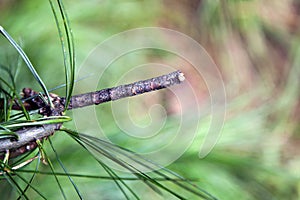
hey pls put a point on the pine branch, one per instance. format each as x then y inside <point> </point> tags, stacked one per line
<point>29,135</point>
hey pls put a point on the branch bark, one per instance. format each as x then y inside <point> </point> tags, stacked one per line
<point>122,91</point>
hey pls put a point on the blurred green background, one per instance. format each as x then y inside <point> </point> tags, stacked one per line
<point>254,43</point>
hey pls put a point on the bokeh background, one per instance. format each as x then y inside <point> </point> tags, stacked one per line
<point>255,45</point>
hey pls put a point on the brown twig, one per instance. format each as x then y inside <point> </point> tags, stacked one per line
<point>136,88</point>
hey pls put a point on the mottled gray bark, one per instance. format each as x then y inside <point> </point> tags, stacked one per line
<point>27,139</point>
<point>122,91</point>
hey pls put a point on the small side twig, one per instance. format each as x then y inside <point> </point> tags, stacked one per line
<point>122,91</point>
